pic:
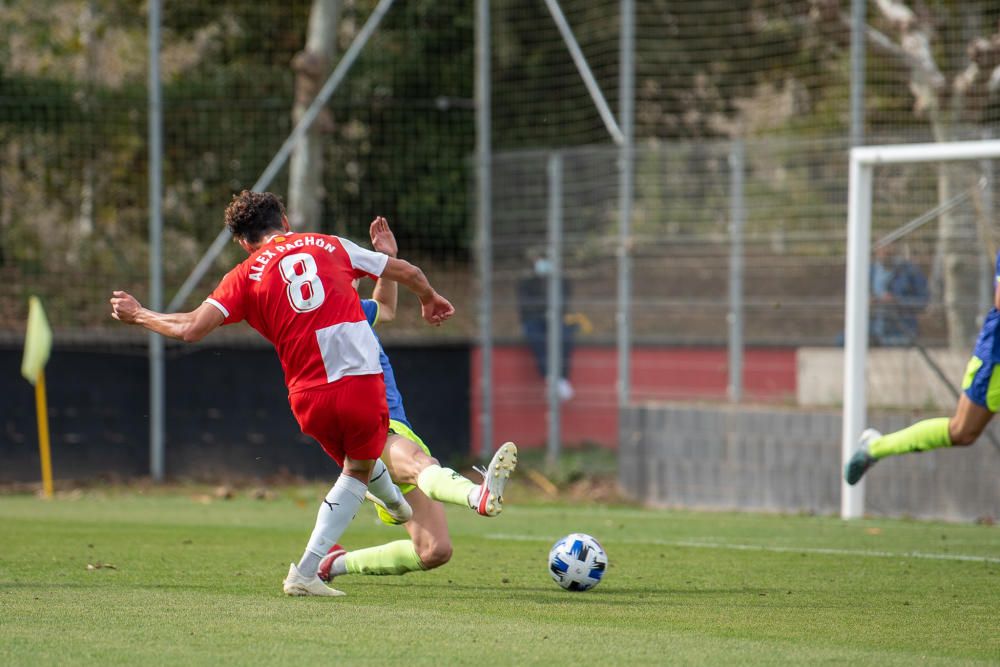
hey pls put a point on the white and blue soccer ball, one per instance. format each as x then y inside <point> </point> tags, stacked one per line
<point>577,562</point>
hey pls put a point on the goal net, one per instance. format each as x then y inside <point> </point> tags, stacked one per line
<point>919,264</point>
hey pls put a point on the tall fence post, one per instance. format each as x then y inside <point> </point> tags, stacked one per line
<point>484,219</point>
<point>858,21</point>
<point>554,320</point>
<point>157,403</point>
<point>737,215</point>
<point>626,169</point>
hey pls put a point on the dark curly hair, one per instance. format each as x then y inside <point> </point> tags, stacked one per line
<point>250,215</point>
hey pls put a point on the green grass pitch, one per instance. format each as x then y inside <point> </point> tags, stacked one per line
<point>192,581</point>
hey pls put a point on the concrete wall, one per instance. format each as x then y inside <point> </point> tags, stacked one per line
<point>785,460</point>
<point>897,377</point>
<point>659,373</point>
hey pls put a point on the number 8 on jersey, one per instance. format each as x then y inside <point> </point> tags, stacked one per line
<point>305,289</point>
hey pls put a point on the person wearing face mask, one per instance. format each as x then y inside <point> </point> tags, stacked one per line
<point>532,301</point>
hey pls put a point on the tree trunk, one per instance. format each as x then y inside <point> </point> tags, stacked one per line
<point>312,66</point>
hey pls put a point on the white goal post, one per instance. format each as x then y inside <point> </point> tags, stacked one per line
<point>863,161</point>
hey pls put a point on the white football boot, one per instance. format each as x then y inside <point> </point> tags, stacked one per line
<point>861,461</point>
<point>298,584</point>
<point>494,479</point>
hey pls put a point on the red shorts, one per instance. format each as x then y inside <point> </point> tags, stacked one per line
<point>348,418</point>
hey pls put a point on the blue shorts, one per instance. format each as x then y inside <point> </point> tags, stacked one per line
<point>981,384</point>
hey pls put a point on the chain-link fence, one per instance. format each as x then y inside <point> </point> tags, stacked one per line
<point>394,140</point>
<point>741,124</point>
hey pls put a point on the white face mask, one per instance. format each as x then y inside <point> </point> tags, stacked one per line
<point>542,266</point>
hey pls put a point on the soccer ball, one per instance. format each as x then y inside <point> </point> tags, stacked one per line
<point>577,562</point>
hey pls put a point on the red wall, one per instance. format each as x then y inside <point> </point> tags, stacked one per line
<point>658,373</point>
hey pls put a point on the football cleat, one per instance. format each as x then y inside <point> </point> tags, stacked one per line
<point>861,461</point>
<point>298,585</point>
<point>385,517</point>
<point>323,572</point>
<point>495,478</point>
<point>393,515</point>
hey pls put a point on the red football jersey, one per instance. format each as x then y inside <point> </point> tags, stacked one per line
<point>296,291</point>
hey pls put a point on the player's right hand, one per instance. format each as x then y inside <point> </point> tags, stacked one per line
<point>436,310</point>
<point>124,307</point>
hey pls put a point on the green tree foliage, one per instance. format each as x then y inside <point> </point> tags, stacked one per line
<point>73,115</point>
<point>404,130</point>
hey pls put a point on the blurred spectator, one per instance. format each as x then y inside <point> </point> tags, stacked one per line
<point>532,301</point>
<point>899,295</point>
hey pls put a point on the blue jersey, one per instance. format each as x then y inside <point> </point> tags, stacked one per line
<point>988,344</point>
<point>392,395</point>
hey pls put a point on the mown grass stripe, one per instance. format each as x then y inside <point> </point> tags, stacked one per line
<point>768,548</point>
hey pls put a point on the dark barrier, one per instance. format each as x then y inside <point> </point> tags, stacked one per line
<point>227,412</point>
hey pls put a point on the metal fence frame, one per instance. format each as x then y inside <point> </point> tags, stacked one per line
<point>620,130</point>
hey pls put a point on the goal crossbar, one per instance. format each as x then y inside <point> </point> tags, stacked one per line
<point>863,160</point>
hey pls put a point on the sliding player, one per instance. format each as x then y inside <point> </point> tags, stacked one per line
<point>976,406</point>
<point>420,476</point>
<point>297,291</point>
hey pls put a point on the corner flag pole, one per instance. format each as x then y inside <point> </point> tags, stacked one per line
<point>37,348</point>
<point>41,407</point>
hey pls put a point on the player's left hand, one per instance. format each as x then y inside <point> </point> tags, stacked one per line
<point>383,239</point>
<point>124,307</point>
<point>436,310</point>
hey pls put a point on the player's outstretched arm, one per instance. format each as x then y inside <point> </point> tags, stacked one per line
<point>188,327</point>
<point>386,291</point>
<point>434,308</point>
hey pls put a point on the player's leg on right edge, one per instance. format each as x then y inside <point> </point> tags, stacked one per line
<point>964,428</point>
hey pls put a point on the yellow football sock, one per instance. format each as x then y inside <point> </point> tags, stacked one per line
<point>397,557</point>
<point>445,484</point>
<point>921,437</point>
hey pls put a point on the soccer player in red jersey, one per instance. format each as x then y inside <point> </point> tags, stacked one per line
<point>296,290</point>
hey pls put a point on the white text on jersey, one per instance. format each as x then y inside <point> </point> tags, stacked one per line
<point>266,256</point>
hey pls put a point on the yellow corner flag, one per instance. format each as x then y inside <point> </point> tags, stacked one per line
<point>37,341</point>
<point>37,347</point>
